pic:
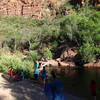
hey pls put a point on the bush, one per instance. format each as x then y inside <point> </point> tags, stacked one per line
<point>33,56</point>
<point>47,53</point>
<point>18,54</point>
<point>97,39</point>
<point>97,52</point>
<point>34,46</point>
<point>16,63</point>
<point>87,52</point>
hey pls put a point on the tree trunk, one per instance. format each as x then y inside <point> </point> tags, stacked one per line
<point>29,45</point>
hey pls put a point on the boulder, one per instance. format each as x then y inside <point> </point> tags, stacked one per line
<point>93,64</point>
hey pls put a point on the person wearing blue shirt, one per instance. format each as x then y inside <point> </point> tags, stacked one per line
<point>36,73</point>
<point>57,88</point>
<point>48,90</point>
<point>37,64</point>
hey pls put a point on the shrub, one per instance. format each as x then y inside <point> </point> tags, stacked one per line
<point>18,54</point>
<point>33,56</point>
<point>97,39</point>
<point>16,63</point>
<point>34,46</point>
<point>87,52</point>
<point>47,53</point>
<point>97,52</point>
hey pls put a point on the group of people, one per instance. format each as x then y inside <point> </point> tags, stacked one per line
<point>19,75</point>
<point>53,88</point>
<point>40,72</point>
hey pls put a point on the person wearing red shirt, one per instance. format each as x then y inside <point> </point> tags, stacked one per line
<point>17,77</point>
<point>93,87</point>
<point>11,72</point>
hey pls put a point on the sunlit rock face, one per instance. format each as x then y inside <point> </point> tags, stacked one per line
<point>28,8</point>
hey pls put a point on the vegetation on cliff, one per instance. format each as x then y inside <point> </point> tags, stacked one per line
<point>43,37</point>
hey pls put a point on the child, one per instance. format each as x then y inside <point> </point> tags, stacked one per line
<point>93,88</point>
<point>36,73</point>
<point>11,73</point>
<point>53,75</point>
<point>44,75</point>
<point>21,75</point>
<point>37,64</point>
<point>17,77</point>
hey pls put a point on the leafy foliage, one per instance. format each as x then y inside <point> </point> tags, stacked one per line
<point>16,63</point>
<point>87,52</point>
<point>33,56</point>
<point>47,53</point>
<point>44,37</point>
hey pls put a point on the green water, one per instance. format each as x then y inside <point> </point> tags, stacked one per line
<point>77,81</point>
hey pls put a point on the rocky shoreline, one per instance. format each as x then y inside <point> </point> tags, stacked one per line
<point>67,60</point>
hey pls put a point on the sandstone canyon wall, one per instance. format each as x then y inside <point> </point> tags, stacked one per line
<point>27,8</point>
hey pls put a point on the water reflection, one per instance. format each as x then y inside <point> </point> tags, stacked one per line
<point>77,80</point>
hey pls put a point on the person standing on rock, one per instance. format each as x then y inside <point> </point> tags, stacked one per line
<point>59,63</point>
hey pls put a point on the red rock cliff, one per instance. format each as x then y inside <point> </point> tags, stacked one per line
<point>27,8</point>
